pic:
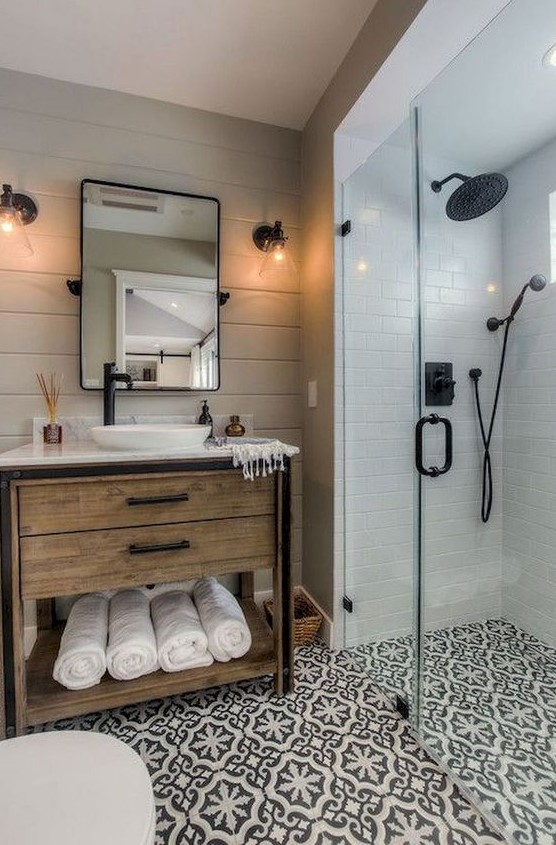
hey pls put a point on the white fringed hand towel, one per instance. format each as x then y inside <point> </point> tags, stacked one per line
<point>131,648</point>
<point>180,639</point>
<point>259,456</point>
<point>223,620</point>
<point>81,660</point>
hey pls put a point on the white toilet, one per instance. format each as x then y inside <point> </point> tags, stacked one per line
<point>74,788</point>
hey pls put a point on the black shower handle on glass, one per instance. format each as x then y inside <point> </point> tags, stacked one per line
<point>433,419</point>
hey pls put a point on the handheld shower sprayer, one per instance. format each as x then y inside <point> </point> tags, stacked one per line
<point>536,283</point>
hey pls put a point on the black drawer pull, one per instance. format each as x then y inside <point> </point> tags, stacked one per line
<point>159,500</point>
<point>145,548</point>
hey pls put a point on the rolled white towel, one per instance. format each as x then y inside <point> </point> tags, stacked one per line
<point>81,660</point>
<point>131,648</point>
<point>223,620</point>
<point>157,589</point>
<point>180,639</point>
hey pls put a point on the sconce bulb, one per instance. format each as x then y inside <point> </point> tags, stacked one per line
<point>16,211</point>
<point>14,242</point>
<point>272,241</point>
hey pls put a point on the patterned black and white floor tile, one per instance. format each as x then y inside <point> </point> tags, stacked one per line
<point>489,712</point>
<point>332,764</point>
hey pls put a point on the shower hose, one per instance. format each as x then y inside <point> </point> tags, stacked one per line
<point>486,436</point>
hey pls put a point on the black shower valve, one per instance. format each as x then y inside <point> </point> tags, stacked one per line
<point>443,383</point>
<point>439,384</point>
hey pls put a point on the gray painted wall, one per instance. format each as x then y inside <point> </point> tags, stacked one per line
<point>383,29</point>
<point>52,135</point>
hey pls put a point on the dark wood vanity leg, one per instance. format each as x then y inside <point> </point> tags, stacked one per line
<point>4,505</point>
<point>247,585</point>
<point>282,582</point>
<point>46,614</point>
<point>286,575</point>
<point>277,587</point>
<point>11,623</point>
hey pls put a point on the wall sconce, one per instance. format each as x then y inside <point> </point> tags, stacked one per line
<point>272,241</point>
<point>16,212</point>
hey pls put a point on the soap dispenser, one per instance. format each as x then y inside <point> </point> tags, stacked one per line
<point>205,417</point>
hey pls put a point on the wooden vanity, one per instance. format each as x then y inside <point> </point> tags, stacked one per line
<point>68,529</point>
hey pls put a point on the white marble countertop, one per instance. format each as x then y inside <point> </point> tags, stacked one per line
<point>89,452</point>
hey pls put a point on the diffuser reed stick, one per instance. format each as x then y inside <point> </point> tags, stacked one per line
<point>51,388</point>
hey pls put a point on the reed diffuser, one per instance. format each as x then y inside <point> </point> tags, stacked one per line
<point>52,432</point>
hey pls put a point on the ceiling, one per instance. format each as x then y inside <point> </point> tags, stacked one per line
<point>262,60</point>
<point>495,103</point>
<point>192,307</point>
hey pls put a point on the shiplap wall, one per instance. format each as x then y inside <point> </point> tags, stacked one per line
<point>52,135</point>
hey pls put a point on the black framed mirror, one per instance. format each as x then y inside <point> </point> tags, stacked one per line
<point>150,286</point>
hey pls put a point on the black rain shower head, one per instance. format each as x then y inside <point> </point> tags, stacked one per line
<point>536,283</point>
<point>475,196</point>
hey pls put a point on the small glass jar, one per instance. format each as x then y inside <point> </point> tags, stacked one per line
<point>52,434</point>
<point>235,428</point>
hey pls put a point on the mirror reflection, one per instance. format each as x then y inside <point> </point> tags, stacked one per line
<point>150,287</point>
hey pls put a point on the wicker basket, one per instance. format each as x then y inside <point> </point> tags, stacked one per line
<point>307,619</point>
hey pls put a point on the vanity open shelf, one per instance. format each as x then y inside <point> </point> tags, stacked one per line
<point>47,700</point>
<point>74,529</point>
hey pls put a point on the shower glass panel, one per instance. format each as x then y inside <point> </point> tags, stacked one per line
<point>488,562</point>
<point>379,367</point>
<point>453,574</point>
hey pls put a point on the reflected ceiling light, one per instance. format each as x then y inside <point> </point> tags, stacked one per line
<point>272,241</point>
<point>491,287</point>
<point>174,304</point>
<point>549,57</point>
<point>362,266</point>
<point>16,212</point>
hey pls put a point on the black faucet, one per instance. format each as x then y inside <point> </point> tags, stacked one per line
<point>111,377</point>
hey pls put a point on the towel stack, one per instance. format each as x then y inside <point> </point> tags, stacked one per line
<point>138,631</point>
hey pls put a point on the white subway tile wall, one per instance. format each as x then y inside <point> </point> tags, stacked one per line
<point>529,507</point>
<point>461,287</point>
<point>378,392</point>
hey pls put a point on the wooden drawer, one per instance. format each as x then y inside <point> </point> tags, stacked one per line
<point>64,564</point>
<point>156,499</point>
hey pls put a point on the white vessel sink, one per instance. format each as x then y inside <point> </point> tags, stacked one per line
<point>150,436</point>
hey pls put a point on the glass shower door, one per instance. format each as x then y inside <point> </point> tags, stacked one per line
<point>487,574</point>
<point>380,399</point>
